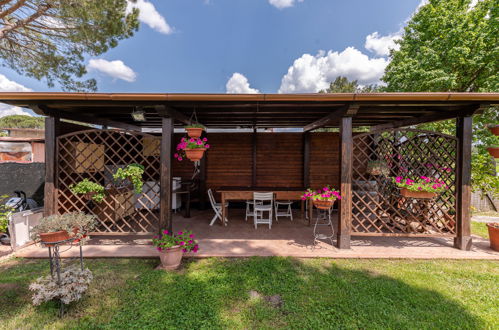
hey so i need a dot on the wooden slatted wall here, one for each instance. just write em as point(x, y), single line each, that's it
point(324, 160)
point(279, 161)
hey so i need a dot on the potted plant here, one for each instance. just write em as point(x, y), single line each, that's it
point(493, 228)
point(5, 212)
point(494, 150)
point(422, 187)
point(494, 129)
point(322, 199)
point(192, 148)
point(377, 167)
point(132, 173)
point(72, 285)
point(194, 130)
point(57, 228)
point(89, 189)
point(171, 247)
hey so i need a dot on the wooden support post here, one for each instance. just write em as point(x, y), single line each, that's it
point(345, 207)
point(253, 171)
point(165, 218)
point(202, 182)
point(463, 184)
point(52, 125)
point(306, 159)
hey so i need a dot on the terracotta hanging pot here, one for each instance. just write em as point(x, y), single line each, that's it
point(57, 236)
point(88, 196)
point(323, 205)
point(194, 132)
point(171, 258)
point(494, 130)
point(195, 154)
point(493, 151)
point(417, 194)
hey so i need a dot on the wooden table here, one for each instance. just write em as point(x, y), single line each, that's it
point(246, 193)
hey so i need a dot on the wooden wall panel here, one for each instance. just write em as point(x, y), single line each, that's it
point(324, 160)
point(229, 160)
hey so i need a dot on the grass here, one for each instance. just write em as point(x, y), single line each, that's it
point(214, 293)
point(480, 229)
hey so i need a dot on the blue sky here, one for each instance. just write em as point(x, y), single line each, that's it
point(199, 45)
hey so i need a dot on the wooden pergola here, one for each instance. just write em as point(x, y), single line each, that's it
point(385, 114)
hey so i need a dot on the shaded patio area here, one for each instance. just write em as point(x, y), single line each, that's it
point(286, 238)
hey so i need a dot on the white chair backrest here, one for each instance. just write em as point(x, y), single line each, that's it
point(212, 198)
point(263, 197)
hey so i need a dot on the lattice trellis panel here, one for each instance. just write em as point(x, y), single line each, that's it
point(96, 155)
point(378, 207)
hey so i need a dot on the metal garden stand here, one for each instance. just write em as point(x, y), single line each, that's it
point(55, 260)
point(323, 219)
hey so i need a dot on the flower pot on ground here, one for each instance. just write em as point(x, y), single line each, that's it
point(422, 187)
point(171, 247)
point(191, 148)
point(493, 151)
point(493, 228)
point(322, 199)
point(56, 228)
point(194, 131)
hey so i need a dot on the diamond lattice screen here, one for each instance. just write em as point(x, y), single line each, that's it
point(378, 207)
point(96, 155)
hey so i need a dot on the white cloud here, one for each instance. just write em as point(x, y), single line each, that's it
point(150, 16)
point(116, 69)
point(238, 84)
point(7, 85)
point(309, 74)
point(381, 45)
point(281, 4)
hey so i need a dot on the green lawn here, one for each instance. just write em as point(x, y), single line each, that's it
point(480, 229)
point(214, 293)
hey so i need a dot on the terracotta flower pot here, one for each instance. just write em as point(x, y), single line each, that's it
point(195, 154)
point(57, 236)
point(494, 235)
point(494, 130)
point(493, 151)
point(323, 205)
point(170, 259)
point(194, 132)
point(417, 194)
point(88, 196)
point(76, 230)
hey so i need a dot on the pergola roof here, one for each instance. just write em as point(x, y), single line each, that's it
point(309, 111)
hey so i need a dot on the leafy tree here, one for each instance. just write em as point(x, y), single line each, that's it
point(343, 85)
point(448, 45)
point(22, 121)
point(47, 39)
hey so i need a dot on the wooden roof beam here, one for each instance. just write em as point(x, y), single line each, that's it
point(348, 111)
point(45, 111)
point(168, 111)
point(429, 118)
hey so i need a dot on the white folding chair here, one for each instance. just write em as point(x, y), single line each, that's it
point(263, 202)
point(217, 207)
point(288, 212)
point(250, 209)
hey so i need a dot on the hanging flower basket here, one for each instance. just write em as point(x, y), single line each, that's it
point(194, 154)
point(417, 194)
point(194, 131)
point(493, 228)
point(191, 148)
point(493, 151)
point(494, 130)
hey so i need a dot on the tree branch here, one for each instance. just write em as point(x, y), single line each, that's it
point(40, 11)
point(12, 9)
